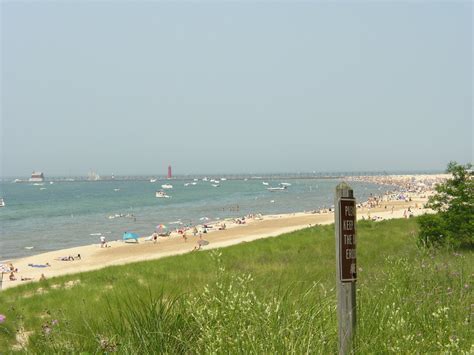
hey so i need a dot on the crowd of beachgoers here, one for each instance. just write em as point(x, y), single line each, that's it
point(405, 183)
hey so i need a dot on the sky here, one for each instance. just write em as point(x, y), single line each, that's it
point(234, 87)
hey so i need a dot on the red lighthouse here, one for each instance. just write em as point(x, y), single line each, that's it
point(169, 172)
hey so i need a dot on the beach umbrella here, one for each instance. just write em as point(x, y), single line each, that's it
point(160, 226)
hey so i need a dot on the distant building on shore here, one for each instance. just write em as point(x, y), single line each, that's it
point(93, 176)
point(169, 172)
point(36, 176)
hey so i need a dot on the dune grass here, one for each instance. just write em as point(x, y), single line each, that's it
point(269, 296)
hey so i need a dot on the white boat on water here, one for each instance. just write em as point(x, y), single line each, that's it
point(216, 185)
point(166, 186)
point(265, 183)
point(153, 180)
point(280, 188)
point(161, 194)
point(223, 179)
point(36, 176)
point(16, 180)
point(2, 202)
point(285, 184)
point(194, 183)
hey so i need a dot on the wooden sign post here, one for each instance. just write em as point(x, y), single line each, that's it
point(346, 275)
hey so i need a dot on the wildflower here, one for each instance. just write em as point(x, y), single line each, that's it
point(107, 344)
point(466, 286)
point(46, 329)
point(54, 322)
point(2, 318)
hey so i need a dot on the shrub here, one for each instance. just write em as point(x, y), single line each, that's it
point(454, 203)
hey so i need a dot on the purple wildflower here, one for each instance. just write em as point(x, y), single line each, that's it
point(2, 318)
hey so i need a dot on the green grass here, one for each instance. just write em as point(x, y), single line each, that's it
point(270, 296)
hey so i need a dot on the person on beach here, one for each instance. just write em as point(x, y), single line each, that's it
point(155, 237)
point(12, 276)
point(102, 242)
point(185, 237)
point(66, 258)
point(42, 277)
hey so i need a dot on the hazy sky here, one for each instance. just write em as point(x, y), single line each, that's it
point(131, 87)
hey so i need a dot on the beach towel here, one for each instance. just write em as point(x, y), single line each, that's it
point(38, 265)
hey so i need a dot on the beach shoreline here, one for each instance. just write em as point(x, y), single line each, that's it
point(396, 204)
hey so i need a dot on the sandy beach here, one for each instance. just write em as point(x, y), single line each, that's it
point(393, 205)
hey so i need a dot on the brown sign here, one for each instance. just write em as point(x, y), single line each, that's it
point(347, 242)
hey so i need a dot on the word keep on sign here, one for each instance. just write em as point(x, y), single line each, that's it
point(347, 243)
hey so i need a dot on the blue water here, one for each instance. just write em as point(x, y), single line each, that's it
point(64, 214)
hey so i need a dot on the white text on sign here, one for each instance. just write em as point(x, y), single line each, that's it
point(349, 211)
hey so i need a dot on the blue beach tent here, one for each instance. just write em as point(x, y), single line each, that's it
point(127, 236)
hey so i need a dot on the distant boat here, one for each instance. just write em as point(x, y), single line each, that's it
point(281, 188)
point(285, 184)
point(36, 176)
point(161, 194)
point(216, 185)
point(51, 182)
point(42, 188)
point(193, 183)
point(166, 186)
point(187, 184)
point(223, 179)
point(2, 202)
point(16, 180)
point(153, 180)
point(116, 189)
point(195, 179)
point(38, 184)
point(265, 183)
